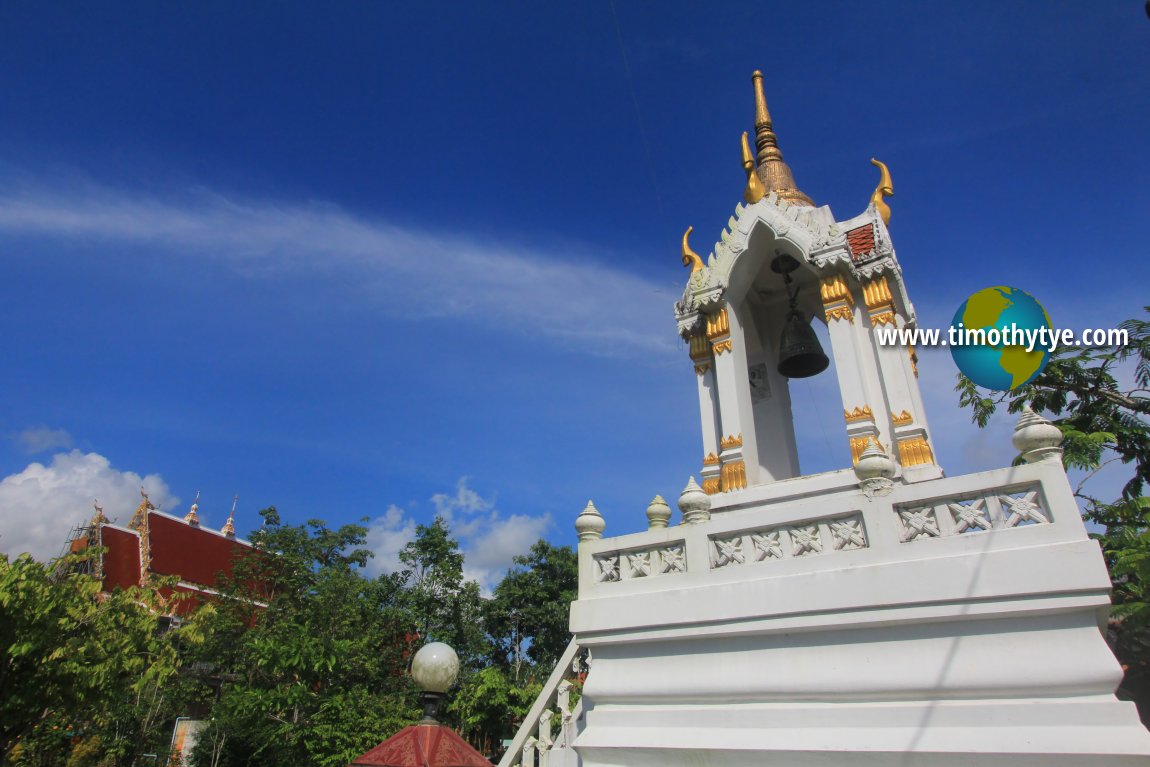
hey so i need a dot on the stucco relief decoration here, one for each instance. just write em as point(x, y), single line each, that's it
point(639, 563)
point(674, 559)
point(918, 523)
point(760, 384)
point(608, 568)
point(768, 545)
point(847, 534)
point(806, 540)
point(1022, 509)
point(729, 551)
point(969, 517)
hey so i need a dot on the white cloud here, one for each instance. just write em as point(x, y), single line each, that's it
point(574, 299)
point(386, 536)
point(41, 439)
point(40, 505)
point(488, 553)
point(489, 540)
point(465, 500)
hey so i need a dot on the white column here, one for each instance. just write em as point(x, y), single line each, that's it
point(708, 410)
point(859, 400)
point(912, 448)
point(733, 471)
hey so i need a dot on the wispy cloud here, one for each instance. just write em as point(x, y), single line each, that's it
point(41, 439)
point(572, 298)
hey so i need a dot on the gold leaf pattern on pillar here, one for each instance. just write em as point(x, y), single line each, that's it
point(914, 451)
point(734, 476)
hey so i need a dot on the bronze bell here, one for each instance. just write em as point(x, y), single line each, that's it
point(800, 353)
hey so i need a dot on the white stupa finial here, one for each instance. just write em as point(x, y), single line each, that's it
point(590, 523)
point(694, 503)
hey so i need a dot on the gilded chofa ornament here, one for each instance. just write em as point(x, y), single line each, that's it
point(885, 188)
point(690, 257)
point(755, 190)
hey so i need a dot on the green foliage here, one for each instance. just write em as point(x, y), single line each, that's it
point(532, 603)
point(1102, 423)
point(489, 705)
point(444, 606)
point(300, 661)
point(316, 676)
point(83, 680)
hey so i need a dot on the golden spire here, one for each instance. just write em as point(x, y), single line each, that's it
point(690, 257)
point(229, 528)
point(773, 172)
point(885, 188)
point(192, 518)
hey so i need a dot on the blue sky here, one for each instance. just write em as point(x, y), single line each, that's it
point(386, 260)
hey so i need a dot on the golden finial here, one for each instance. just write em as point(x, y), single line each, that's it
point(98, 518)
point(774, 173)
point(885, 188)
point(690, 257)
point(140, 518)
point(229, 528)
point(755, 190)
point(762, 116)
point(192, 518)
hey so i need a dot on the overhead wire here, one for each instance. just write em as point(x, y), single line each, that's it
point(638, 114)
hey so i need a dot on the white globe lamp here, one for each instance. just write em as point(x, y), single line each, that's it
point(434, 668)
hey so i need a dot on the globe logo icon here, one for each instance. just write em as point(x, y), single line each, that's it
point(987, 338)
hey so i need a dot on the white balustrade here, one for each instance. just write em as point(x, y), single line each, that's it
point(534, 745)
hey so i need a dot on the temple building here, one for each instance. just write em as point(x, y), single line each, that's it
point(879, 614)
point(157, 544)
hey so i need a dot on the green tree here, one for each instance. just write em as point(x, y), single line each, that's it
point(310, 656)
point(443, 605)
point(530, 607)
point(1102, 423)
point(488, 705)
point(84, 678)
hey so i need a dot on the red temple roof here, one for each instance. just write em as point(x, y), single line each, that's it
point(196, 554)
point(159, 544)
point(423, 745)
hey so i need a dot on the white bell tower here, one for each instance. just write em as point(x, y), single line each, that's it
point(736, 304)
point(880, 614)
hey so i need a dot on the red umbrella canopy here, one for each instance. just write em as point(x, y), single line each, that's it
point(422, 745)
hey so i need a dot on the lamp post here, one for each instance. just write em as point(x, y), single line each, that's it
point(428, 743)
point(434, 668)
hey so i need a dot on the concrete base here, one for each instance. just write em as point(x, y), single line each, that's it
point(953, 621)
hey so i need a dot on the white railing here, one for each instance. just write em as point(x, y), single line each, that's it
point(534, 744)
